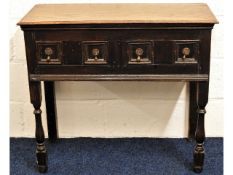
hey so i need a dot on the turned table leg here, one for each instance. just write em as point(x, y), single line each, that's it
point(199, 151)
point(41, 153)
point(51, 111)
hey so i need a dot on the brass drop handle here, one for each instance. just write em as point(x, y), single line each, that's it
point(139, 53)
point(48, 52)
point(185, 52)
point(95, 53)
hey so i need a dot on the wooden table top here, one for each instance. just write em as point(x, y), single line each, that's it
point(118, 13)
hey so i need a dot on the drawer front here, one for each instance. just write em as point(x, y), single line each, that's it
point(49, 52)
point(137, 52)
point(186, 52)
point(121, 51)
point(156, 52)
point(72, 53)
point(95, 52)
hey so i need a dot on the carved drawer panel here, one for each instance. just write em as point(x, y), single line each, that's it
point(95, 52)
point(49, 52)
point(186, 51)
point(139, 52)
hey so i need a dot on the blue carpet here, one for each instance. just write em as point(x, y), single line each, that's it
point(123, 156)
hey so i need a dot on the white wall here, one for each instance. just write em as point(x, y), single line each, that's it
point(114, 109)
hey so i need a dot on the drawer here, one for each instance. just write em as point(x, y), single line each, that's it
point(186, 52)
point(137, 52)
point(72, 53)
point(160, 56)
point(49, 52)
point(158, 52)
point(95, 52)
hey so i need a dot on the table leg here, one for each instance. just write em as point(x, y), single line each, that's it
point(41, 153)
point(199, 151)
point(192, 109)
point(51, 111)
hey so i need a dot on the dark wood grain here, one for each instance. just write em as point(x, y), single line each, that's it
point(41, 153)
point(163, 48)
point(119, 77)
point(51, 110)
point(144, 26)
point(199, 151)
point(192, 109)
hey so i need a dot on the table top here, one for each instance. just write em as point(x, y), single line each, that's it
point(44, 14)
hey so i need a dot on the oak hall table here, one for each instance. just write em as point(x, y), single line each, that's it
point(118, 42)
